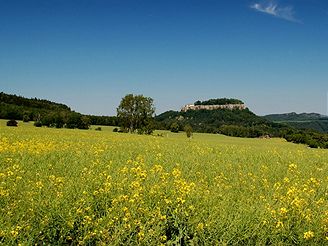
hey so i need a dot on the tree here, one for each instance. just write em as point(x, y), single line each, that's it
point(84, 122)
point(26, 118)
point(12, 123)
point(188, 130)
point(135, 112)
point(174, 127)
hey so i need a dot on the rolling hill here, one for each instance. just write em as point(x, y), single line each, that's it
point(313, 121)
point(46, 112)
point(232, 122)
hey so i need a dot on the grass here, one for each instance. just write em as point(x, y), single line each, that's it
point(61, 186)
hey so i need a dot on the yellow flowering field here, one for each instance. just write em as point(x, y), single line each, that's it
point(87, 187)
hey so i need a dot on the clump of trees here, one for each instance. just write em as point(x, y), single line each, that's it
point(219, 101)
point(12, 123)
point(31, 102)
point(135, 114)
point(174, 127)
point(47, 113)
point(103, 120)
point(309, 137)
point(37, 124)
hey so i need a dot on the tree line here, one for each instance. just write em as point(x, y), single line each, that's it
point(47, 113)
point(219, 101)
point(135, 114)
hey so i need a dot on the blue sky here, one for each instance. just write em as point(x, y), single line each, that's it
point(90, 53)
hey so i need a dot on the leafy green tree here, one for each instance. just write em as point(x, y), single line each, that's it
point(26, 118)
point(188, 130)
point(174, 127)
point(37, 124)
point(135, 112)
point(84, 122)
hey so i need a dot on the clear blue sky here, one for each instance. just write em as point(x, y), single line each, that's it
point(90, 53)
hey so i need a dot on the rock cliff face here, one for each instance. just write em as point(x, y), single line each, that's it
point(211, 107)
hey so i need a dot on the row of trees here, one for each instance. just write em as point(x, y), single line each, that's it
point(135, 113)
point(309, 137)
point(219, 101)
point(31, 102)
point(63, 119)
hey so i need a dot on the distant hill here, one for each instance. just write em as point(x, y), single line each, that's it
point(235, 122)
point(18, 107)
point(46, 112)
point(240, 123)
point(313, 121)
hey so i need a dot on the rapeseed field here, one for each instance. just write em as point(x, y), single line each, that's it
point(87, 187)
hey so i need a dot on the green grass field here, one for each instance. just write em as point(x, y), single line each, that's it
point(61, 186)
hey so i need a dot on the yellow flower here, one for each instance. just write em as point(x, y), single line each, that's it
point(200, 226)
point(279, 224)
point(283, 211)
point(141, 235)
point(292, 167)
point(308, 235)
point(163, 217)
point(39, 184)
point(163, 238)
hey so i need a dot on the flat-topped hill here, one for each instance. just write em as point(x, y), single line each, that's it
point(212, 104)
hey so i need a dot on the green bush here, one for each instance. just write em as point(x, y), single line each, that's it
point(12, 123)
point(174, 127)
point(26, 118)
point(188, 130)
point(37, 124)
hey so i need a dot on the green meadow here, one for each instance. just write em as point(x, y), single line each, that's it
point(87, 187)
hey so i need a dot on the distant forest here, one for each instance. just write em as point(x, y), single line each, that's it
point(47, 113)
point(237, 123)
point(313, 121)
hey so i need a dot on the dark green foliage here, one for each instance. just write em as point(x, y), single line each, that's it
point(98, 128)
point(240, 131)
point(76, 120)
point(103, 120)
point(26, 118)
point(12, 123)
point(174, 127)
point(115, 129)
point(219, 101)
point(239, 123)
point(295, 117)
point(135, 113)
point(211, 120)
point(37, 124)
point(188, 130)
point(309, 137)
point(312, 121)
point(47, 113)
point(148, 127)
point(31, 103)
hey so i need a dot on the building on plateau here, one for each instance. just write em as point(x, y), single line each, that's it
point(211, 107)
